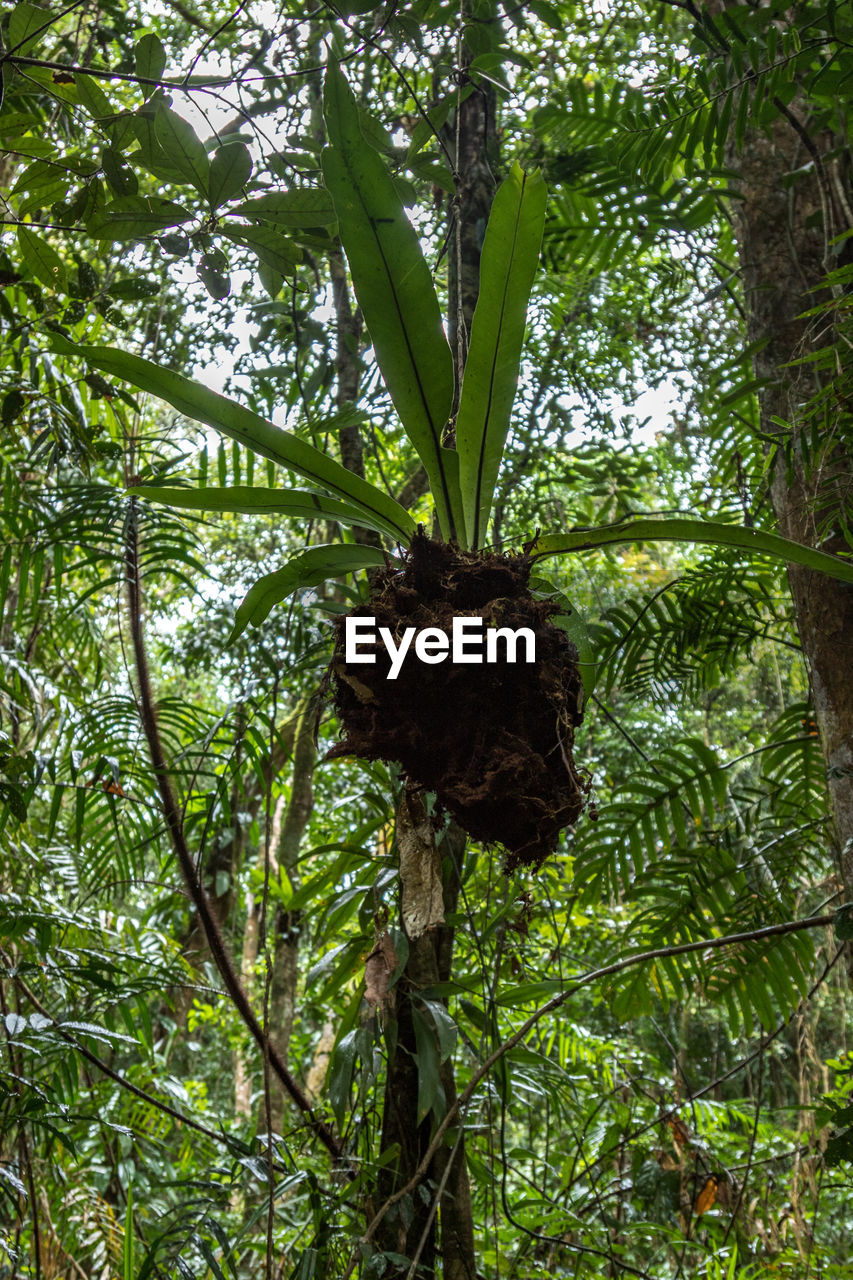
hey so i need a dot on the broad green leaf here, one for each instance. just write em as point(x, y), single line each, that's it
point(302, 207)
point(530, 992)
point(336, 967)
point(308, 569)
point(25, 21)
point(507, 269)
point(150, 58)
point(341, 1070)
point(293, 503)
point(445, 1027)
point(216, 281)
point(705, 532)
point(272, 249)
point(133, 216)
point(42, 259)
point(230, 170)
point(182, 147)
point(118, 173)
point(429, 1061)
point(395, 291)
point(150, 154)
point(39, 181)
point(93, 98)
point(248, 428)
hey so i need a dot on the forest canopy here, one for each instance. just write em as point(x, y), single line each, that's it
point(524, 326)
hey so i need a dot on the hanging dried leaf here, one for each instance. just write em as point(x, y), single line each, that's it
point(707, 1197)
point(420, 867)
point(680, 1132)
point(378, 967)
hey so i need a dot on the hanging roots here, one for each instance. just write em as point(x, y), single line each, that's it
point(493, 741)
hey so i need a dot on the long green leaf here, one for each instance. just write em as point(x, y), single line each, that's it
point(128, 1237)
point(708, 532)
point(395, 291)
point(244, 500)
point(241, 424)
point(308, 569)
point(507, 268)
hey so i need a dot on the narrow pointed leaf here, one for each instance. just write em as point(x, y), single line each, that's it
point(507, 269)
point(244, 500)
point(308, 569)
point(235, 420)
point(127, 1250)
point(395, 291)
point(707, 532)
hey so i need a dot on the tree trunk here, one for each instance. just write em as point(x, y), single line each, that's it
point(473, 141)
point(791, 207)
point(409, 1228)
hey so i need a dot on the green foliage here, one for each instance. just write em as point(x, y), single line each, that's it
point(146, 245)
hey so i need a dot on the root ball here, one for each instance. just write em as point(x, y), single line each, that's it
point(493, 741)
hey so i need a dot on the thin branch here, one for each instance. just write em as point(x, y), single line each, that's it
point(172, 815)
point(618, 966)
point(120, 1080)
point(105, 73)
point(209, 41)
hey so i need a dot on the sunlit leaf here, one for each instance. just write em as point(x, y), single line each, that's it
point(395, 292)
point(703, 532)
point(309, 569)
point(507, 269)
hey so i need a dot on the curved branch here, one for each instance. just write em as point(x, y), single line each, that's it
point(172, 815)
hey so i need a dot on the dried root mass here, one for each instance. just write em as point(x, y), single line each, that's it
point(493, 741)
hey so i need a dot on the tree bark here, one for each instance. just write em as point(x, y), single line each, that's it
point(788, 212)
point(473, 141)
point(412, 1225)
